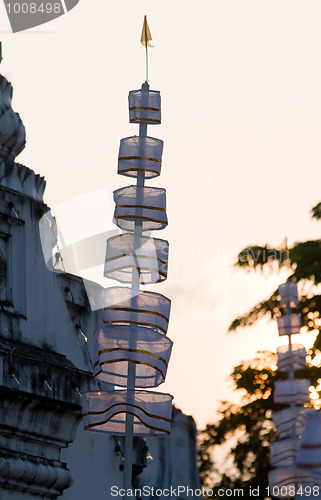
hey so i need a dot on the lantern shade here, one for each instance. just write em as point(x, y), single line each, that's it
point(115, 347)
point(283, 481)
point(285, 421)
point(140, 154)
point(289, 294)
point(308, 477)
point(144, 106)
point(310, 452)
point(127, 306)
point(290, 422)
point(105, 411)
point(292, 391)
point(284, 453)
point(294, 358)
point(289, 324)
point(146, 205)
point(128, 254)
point(285, 478)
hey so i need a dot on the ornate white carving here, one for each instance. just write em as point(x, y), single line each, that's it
point(12, 142)
point(34, 477)
point(22, 179)
point(12, 130)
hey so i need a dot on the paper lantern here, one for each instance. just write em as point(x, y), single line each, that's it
point(126, 306)
point(284, 421)
point(308, 477)
point(106, 412)
point(288, 479)
point(292, 391)
point(117, 346)
point(289, 324)
point(289, 294)
point(132, 349)
point(291, 358)
point(144, 106)
point(127, 253)
point(146, 205)
point(140, 154)
point(290, 422)
point(285, 478)
point(284, 453)
point(283, 481)
point(310, 452)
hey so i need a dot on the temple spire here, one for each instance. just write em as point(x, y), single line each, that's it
point(12, 130)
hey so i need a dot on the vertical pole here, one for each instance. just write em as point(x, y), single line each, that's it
point(291, 369)
point(291, 377)
point(129, 426)
point(146, 42)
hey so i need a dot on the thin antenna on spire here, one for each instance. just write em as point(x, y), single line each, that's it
point(146, 50)
point(145, 39)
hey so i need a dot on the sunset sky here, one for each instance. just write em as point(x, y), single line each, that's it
point(241, 120)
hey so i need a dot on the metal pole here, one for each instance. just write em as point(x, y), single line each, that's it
point(129, 426)
point(291, 377)
point(146, 56)
point(291, 369)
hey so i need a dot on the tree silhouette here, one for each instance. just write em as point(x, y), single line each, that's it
point(248, 426)
point(303, 261)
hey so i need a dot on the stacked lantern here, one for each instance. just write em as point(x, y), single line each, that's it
point(291, 475)
point(132, 349)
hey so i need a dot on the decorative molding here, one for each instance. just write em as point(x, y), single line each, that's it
point(32, 433)
point(33, 367)
point(37, 420)
point(12, 130)
point(35, 477)
point(21, 179)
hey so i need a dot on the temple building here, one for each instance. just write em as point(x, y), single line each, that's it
point(44, 367)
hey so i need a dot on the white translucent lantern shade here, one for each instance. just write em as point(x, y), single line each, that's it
point(146, 205)
point(126, 306)
point(115, 347)
point(289, 324)
point(144, 106)
point(284, 421)
point(282, 480)
point(310, 452)
point(289, 422)
point(140, 154)
point(289, 294)
point(294, 358)
point(105, 411)
point(128, 255)
point(284, 453)
point(292, 391)
point(308, 477)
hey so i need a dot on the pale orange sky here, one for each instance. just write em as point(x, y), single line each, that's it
point(240, 84)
